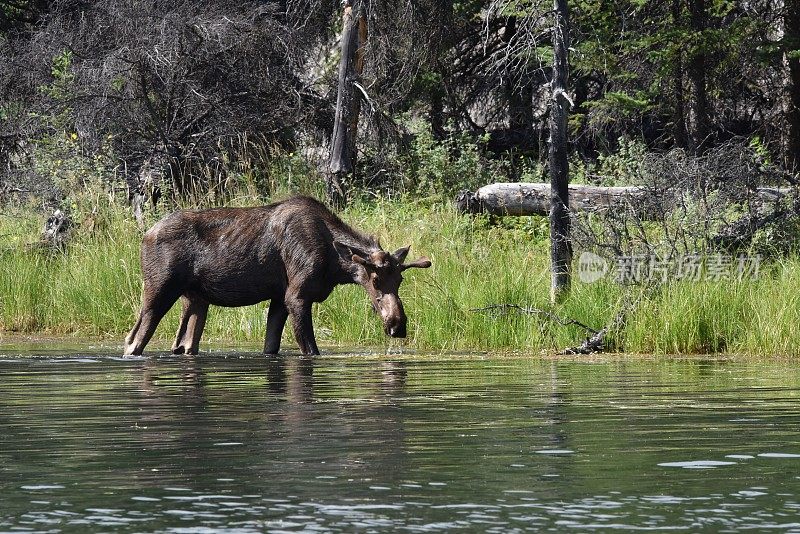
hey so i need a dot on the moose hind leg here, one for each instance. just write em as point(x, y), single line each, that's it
point(193, 320)
point(300, 310)
point(276, 320)
point(153, 310)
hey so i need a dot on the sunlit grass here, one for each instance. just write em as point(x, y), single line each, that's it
point(93, 289)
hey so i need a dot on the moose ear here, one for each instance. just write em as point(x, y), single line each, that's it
point(360, 260)
point(400, 254)
point(350, 254)
point(422, 263)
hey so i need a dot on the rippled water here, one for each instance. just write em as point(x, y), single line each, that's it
point(236, 442)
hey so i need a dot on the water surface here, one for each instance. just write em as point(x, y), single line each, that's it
point(236, 442)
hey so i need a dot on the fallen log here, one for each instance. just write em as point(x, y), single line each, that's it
point(534, 199)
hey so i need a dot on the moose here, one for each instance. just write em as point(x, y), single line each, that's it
point(292, 253)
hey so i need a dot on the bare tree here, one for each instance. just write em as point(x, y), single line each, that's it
point(724, 200)
point(560, 244)
point(348, 102)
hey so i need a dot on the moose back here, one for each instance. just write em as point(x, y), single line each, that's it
point(292, 253)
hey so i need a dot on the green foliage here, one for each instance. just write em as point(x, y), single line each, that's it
point(641, 50)
point(257, 175)
point(620, 103)
point(442, 168)
point(623, 167)
point(61, 71)
point(59, 159)
point(761, 150)
point(778, 240)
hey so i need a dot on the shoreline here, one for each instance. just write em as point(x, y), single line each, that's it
point(160, 349)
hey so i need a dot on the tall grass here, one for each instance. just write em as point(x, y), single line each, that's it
point(93, 289)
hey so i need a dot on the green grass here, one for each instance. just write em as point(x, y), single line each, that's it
point(92, 290)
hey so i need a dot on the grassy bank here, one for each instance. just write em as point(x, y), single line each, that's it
point(93, 289)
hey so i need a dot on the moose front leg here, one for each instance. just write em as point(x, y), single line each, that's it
point(155, 304)
point(300, 310)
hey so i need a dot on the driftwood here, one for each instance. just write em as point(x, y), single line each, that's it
point(534, 199)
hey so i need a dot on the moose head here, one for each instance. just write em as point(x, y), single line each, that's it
point(380, 274)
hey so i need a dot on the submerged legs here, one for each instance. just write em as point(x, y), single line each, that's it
point(193, 320)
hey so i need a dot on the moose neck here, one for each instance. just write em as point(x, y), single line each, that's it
point(350, 272)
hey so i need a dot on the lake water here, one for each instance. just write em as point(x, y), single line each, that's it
point(236, 442)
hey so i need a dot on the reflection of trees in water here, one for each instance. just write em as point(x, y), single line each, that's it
point(477, 423)
point(159, 377)
point(103, 422)
point(172, 425)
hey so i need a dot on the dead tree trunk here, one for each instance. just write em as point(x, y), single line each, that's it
point(560, 245)
point(348, 103)
point(56, 231)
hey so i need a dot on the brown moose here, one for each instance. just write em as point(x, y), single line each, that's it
point(292, 253)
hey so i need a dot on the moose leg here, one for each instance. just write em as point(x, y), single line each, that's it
point(153, 309)
point(300, 310)
point(177, 346)
point(276, 320)
point(193, 320)
point(132, 334)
